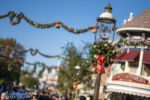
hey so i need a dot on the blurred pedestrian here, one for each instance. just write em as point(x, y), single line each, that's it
point(34, 97)
point(10, 93)
point(3, 96)
point(43, 96)
point(22, 93)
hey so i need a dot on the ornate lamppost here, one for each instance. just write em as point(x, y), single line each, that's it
point(105, 27)
point(77, 68)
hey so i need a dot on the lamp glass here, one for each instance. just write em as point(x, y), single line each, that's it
point(77, 68)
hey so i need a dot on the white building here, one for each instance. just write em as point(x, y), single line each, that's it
point(130, 75)
point(49, 79)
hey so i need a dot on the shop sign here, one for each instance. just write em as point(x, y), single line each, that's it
point(129, 78)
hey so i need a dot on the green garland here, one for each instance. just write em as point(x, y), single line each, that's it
point(133, 43)
point(39, 64)
point(33, 52)
point(21, 61)
point(102, 48)
point(49, 68)
point(19, 16)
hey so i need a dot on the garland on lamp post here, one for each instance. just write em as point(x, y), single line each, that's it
point(102, 54)
point(57, 24)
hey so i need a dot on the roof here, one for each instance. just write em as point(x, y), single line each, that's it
point(139, 23)
point(146, 58)
point(133, 55)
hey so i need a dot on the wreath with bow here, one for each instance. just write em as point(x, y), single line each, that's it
point(102, 54)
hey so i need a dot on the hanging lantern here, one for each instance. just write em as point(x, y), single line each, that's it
point(106, 23)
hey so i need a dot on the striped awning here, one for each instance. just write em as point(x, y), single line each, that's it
point(120, 56)
point(133, 55)
point(146, 57)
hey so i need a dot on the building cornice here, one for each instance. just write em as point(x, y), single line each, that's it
point(119, 30)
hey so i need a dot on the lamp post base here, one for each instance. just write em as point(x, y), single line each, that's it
point(76, 94)
point(97, 85)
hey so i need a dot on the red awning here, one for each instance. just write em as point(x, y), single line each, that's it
point(132, 55)
point(146, 57)
point(121, 55)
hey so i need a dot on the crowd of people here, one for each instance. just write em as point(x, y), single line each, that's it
point(10, 92)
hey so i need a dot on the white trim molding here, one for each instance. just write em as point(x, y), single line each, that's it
point(132, 29)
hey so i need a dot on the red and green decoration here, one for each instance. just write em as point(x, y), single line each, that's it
point(102, 54)
point(21, 61)
point(147, 69)
point(43, 66)
point(133, 43)
point(57, 24)
point(33, 52)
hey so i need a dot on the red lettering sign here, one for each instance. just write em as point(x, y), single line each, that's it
point(130, 78)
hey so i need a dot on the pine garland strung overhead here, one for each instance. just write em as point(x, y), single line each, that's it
point(21, 61)
point(33, 52)
point(40, 64)
point(44, 66)
point(19, 16)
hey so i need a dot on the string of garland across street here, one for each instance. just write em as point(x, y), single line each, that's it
point(33, 52)
point(98, 56)
point(57, 24)
point(35, 64)
point(41, 65)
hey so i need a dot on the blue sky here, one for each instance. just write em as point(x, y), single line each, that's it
point(74, 13)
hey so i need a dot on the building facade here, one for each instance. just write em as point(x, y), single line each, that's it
point(130, 74)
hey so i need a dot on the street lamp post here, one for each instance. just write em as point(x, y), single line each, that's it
point(77, 68)
point(105, 27)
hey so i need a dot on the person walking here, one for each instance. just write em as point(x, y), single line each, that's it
point(3, 96)
point(22, 94)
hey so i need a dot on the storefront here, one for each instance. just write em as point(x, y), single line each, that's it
point(125, 86)
point(130, 75)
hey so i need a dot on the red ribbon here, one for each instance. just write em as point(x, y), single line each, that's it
point(100, 64)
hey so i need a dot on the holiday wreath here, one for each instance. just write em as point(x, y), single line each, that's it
point(102, 54)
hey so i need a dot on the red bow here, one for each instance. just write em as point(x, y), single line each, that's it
point(100, 64)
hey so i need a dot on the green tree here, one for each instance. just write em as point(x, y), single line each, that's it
point(10, 59)
point(67, 73)
point(29, 81)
